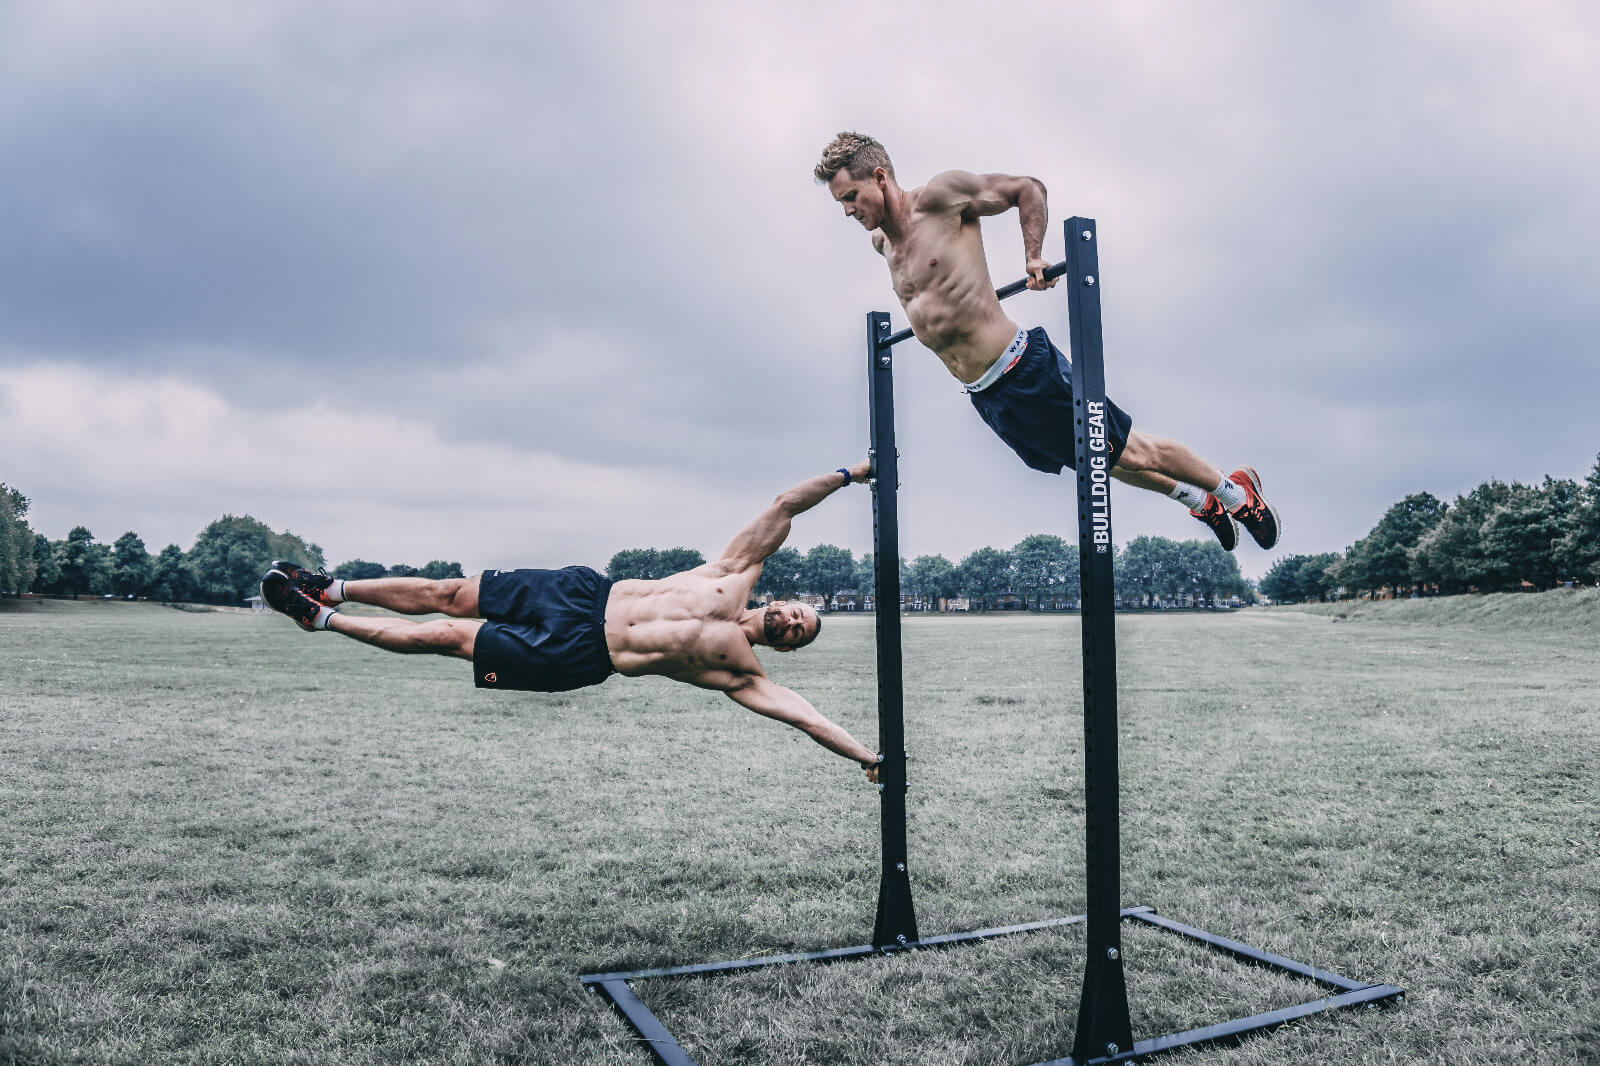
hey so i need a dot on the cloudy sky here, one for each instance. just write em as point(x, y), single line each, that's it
point(521, 285)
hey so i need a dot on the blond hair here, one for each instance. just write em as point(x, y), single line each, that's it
point(853, 152)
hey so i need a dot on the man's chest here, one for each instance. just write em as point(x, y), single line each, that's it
point(928, 255)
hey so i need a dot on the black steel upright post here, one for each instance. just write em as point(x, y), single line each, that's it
point(896, 923)
point(1103, 1026)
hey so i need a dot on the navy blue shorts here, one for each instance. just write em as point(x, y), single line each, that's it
point(1030, 408)
point(545, 629)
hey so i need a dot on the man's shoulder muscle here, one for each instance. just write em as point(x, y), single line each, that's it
point(949, 190)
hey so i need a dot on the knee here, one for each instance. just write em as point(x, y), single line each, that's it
point(1141, 453)
point(446, 636)
point(449, 596)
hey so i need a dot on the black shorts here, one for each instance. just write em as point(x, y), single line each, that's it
point(1030, 408)
point(545, 629)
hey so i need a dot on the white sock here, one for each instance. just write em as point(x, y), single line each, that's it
point(1229, 494)
point(323, 616)
point(335, 591)
point(1190, 496)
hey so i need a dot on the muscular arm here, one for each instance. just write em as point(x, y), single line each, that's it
point(977, 195)
point(759, 694)
point(767, 533)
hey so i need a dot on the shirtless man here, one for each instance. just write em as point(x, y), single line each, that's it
point(1020, 383)
point(553, 630)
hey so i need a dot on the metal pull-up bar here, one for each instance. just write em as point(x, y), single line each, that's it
point(1004, 292)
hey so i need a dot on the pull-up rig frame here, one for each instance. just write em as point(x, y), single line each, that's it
point(1104, 1033)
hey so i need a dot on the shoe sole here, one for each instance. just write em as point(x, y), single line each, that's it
point(1231, 522)
point(1235, 544)
point(286, 614)
point(1255, 483)
point(279, 564)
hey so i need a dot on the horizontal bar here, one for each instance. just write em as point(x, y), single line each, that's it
point(1247, 953)
point(667, 1051)
point(839, 954)
point(1239, 1027)
point(1004, 292)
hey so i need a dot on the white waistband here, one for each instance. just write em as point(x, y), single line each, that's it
point(1007, 360)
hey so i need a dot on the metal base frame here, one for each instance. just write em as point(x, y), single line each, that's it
point(1347, 994)
point(1103, 1033)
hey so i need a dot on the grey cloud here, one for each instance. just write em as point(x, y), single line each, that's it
point(594, 231)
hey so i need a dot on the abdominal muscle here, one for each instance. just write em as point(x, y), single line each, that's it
point(681, 624)
point(943, 283)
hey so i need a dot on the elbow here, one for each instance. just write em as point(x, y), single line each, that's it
point(808, 723)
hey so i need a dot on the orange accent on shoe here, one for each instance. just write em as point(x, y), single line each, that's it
point(1256, 514)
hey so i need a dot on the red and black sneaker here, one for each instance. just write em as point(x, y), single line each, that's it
point(1219, 521)
point(282, 596)
point(313, 584)
point(1255, 514)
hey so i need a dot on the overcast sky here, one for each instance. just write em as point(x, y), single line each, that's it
point(522, 285)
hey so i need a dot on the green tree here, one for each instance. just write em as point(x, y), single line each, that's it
point(360, 570)
point(46, 565)
point(229, 557)
point(1281, 582)
point(1451, 555)
point(1383, 558)
point(401, 570)
point(132, 569)
point(1521, 536)
point(1317, 576)
point(287, 546)
point(826, 569)
point(172, 581)
point(85, 564)
point(931, 578)
point(866, 576)
point(671, 561)
point(1141, 568)
point(652, 564)
point(439, 570)
point(1214, 572)
point(1044, 565)
point(985, 574)
point(17, 566)
point(632, 564)
point(1578, 553)
point(780, 574)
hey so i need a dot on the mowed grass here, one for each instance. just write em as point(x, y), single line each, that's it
point(226, 841)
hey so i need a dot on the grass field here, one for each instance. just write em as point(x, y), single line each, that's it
point(226, 841)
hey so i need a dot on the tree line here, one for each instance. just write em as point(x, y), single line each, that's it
point(1497, 536)
point(223, 566)
point(1039, 568)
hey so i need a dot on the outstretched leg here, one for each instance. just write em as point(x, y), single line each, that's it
point(442, 636)
point(455, 596)
point(1162, 465)
point(1156, 463)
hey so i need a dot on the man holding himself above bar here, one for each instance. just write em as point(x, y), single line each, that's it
point(554, 630)
point(1018, 380)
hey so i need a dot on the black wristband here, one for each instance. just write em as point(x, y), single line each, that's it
point(846, 474)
